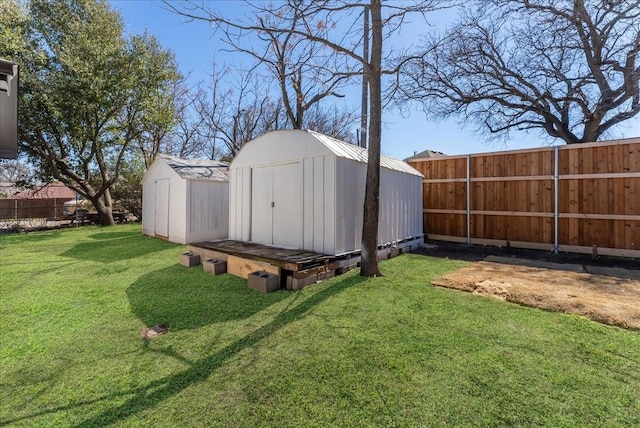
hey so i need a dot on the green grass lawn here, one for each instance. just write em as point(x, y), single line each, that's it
point(392, 351)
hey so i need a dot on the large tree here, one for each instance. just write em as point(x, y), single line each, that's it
point(336, 26)
point(567, 68)
point(88, 93)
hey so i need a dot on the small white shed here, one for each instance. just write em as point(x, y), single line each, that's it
point(186, 200)
point(300, 189)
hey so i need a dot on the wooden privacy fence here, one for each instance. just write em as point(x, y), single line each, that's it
point(19, 209)
point(563, 198)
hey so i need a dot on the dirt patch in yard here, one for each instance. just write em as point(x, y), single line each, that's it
point(612, 300)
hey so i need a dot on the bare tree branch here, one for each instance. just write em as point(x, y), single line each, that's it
point(567, 67)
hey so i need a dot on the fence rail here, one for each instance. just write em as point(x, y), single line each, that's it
point(563, 198)
point(19, 209)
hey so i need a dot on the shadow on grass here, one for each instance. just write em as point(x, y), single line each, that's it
point(154, 393)
point(188, 298)
point(112, 247)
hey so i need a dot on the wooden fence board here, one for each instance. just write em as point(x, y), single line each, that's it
point(513, 193)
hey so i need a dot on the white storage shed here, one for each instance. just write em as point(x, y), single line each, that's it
point(186, 200)
point(301, 189)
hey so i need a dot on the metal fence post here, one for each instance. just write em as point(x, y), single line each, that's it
point(556, 199)
point(468, 199)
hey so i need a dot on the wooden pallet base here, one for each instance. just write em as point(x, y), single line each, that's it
point(293, 271)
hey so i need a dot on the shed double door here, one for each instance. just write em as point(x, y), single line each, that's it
point(276, 205)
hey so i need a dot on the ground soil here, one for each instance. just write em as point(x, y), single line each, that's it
point(604, 289)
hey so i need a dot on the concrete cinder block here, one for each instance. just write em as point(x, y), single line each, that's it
point(189, 259)
point(344, 269)
point(299, 283)
point(263, 282)
point(394, 253)
point(326, 274)
point(214, 266)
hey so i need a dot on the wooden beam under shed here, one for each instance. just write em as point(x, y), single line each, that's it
point(243, 267)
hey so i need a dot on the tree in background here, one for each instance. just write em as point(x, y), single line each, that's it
point(88, 94)
point(13, 28)
point(234, 109)
point(305, 73)
point(568, 68)
point(127, 190)
point(334, 121)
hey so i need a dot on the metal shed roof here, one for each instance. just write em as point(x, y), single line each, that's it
point(357, 153)
point(198, 169)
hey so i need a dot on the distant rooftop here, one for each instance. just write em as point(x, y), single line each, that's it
point(425, 155)
point(48, 191)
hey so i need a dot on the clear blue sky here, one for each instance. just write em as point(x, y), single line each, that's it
point(195, 47)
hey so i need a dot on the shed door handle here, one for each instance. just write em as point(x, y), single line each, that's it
point(273, 204)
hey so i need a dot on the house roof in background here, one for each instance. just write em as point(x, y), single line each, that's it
point(198, 169)
point(426, 154)
point(48, 191)
point(9, 188)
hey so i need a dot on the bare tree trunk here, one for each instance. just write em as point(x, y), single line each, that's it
point(369, 263)
point(105, 214)
point(364, 114)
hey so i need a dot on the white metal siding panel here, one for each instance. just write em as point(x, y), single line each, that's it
point(349, 204)
point(245, 204)
point(233, 209)
point(223, 210)
point(287, 205)
point(318, 205)
point(358, 178)
point(307, 204)
point(178, 210)
point(239, 204)
point(403, 205)
point(329, 212)
point(400, 207)
point(208, 215)
point(416, 208)
point(261, 198)
point(389, 208)
point(387, 197)
point(342, 207)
